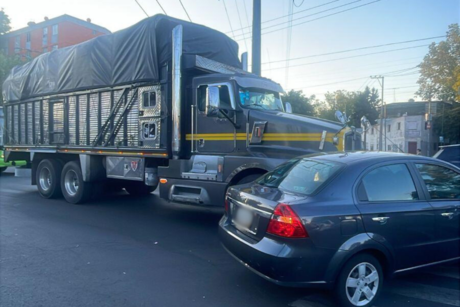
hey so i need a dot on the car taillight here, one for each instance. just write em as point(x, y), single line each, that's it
point(286, 223)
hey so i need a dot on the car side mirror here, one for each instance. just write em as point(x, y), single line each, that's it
point(212, 100)
point(288, 107)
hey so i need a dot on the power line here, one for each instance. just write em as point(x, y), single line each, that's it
point(342, 81)
point(293, 2)
point(281, 17)
point(158, 1)
point(320, 12)
point(241, 24)
point(351, 57)
point(405, 60)
point(356, 49)
point(142, 8)
point(185, 10)
point(228, 17)
point(336, 13)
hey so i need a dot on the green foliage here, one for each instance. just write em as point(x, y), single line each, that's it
point(300, 103)
point(448, 124)
point(6, 64)
point(354, 104)
point(4, 22)
point(440, 69)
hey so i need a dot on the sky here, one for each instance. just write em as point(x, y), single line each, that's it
point(321, 35)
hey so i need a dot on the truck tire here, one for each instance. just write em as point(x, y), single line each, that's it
point(48, 178)
point(74, 189)
point(249, 178)
point(138, 189)
point(2, 169)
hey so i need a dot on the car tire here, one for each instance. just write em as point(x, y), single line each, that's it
point(74, 189)
point(48, 178)
point(138, 189)
point(2, 169)
point(361, 273)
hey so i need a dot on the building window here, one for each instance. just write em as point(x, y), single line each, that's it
point(399, 126)
point(372, 147)
point(54, 34)
point(28, 40)
point(389, 128)
point(389, 148)
point(372, 131)
point(17, 44)
point(55, 47)
point(45, 37)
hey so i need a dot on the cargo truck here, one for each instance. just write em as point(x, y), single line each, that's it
point(165, 102)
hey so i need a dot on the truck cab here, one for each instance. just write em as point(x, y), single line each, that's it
point(237, 130)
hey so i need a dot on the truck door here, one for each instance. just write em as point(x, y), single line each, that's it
point(213, 131)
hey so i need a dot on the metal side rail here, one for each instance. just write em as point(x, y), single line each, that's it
point(119, 122)
point(106, 126)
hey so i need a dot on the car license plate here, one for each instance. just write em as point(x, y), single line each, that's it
point(244, 217)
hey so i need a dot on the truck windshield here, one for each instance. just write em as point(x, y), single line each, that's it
point(303, 176)
point(261, 99)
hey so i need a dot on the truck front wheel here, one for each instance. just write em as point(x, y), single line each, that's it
point(48, 177)
point(74, 189)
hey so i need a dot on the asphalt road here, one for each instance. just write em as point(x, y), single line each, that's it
point(123, 251)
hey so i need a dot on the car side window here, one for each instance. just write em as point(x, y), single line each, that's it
point(389, 183)
point(441, 182)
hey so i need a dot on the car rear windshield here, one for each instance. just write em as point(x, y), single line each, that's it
point(304, 176)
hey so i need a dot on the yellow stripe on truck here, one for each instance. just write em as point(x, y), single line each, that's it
point(273, 137)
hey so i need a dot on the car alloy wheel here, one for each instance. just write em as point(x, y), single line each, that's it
point(362, 284)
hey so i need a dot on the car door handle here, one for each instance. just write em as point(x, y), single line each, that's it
point(447, 214)
point(381, 219)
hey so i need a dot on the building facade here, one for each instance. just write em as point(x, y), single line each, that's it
point(405, 128)
point(50, 34)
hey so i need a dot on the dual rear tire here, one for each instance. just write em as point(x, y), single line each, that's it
point(55, 180)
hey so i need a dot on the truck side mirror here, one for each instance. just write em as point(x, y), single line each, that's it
point(288, 107)
point(212, 100)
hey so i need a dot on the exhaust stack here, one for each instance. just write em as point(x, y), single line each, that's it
point(176, 91)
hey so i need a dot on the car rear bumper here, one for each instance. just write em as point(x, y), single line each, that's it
point(293, 263)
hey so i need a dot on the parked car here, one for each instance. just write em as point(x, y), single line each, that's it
point(449, 153)
point(345, 221)
point(4, 165)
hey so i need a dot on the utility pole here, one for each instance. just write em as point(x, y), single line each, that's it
point(382, 83)
point(256, 37)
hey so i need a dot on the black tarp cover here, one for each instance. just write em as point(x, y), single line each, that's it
point(131, 55)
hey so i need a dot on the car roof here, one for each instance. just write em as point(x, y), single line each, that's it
point(367, 157)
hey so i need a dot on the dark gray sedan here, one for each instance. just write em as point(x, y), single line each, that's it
point(345, 221)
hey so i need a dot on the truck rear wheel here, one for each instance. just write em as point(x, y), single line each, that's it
point(74, 189)
point(2, 169)
point(48, 178)
point(139, 189)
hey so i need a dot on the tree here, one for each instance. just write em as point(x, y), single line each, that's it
point(354, 104)
point(4, 22)
point(6, 62)
point(300, 103)
point(440, 69)
point(447, 124)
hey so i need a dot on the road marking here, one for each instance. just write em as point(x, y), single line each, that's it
point(425, 292)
